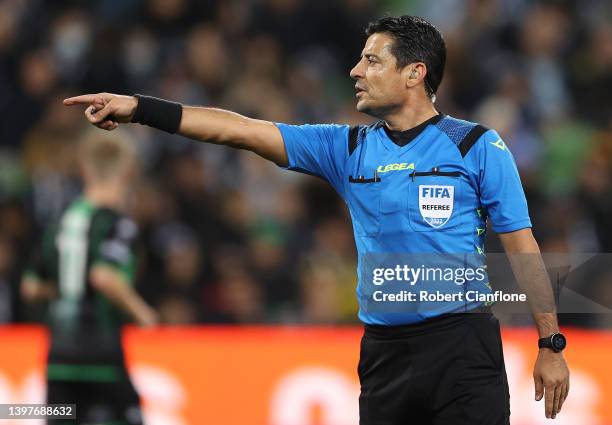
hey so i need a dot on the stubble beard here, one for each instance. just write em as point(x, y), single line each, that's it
point(379, 112)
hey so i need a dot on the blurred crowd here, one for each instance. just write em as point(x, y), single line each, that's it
point(227, 237)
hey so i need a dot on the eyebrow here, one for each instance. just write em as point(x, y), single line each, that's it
point(370, 55)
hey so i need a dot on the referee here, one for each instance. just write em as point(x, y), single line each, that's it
point(85, 268)
point(415, 182)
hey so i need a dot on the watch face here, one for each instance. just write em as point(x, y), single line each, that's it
point(558, 342)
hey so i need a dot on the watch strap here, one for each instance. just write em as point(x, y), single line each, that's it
point(547, 342)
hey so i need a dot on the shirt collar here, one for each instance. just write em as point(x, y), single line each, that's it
point(402, 138)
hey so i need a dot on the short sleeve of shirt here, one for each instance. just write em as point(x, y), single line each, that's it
point(117, 247)
point(501, 191)
point(321, 150)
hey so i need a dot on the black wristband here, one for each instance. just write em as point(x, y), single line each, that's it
point(158, 113)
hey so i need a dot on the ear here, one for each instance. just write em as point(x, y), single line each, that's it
point(415, 74)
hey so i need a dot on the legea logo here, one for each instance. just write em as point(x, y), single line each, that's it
point(395, 167)
point(436, 204)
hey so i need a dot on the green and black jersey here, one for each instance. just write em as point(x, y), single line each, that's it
point(85, 326)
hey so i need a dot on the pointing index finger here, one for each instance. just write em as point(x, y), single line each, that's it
point(85, 99)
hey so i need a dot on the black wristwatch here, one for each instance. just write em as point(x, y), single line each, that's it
point(555, 342)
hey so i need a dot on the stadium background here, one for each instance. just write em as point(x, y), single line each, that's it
point(228, 239)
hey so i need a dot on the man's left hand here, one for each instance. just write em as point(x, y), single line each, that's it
point(551, 377)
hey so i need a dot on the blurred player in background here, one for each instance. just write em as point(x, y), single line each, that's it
point(85, 268)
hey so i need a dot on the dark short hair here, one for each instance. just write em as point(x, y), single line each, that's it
point(415, 40)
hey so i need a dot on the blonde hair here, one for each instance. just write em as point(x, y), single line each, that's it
point(104, 154)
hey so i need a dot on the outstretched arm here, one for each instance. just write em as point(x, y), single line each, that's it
point(107, 111)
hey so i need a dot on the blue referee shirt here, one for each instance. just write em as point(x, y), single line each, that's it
point(433, 195)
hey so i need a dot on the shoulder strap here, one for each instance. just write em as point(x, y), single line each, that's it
point(468, 141)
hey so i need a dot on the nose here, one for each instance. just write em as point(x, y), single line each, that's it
point(356, 73)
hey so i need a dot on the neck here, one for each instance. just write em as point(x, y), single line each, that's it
point(408, 117)
point(108, 195)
